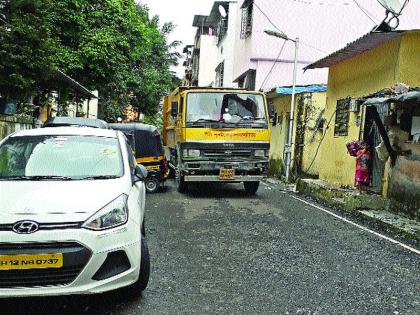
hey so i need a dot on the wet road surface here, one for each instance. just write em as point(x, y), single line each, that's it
point(220, 251)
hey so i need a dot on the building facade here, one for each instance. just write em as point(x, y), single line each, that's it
point(307, 128)
point(371, 68)
point(213, 52)
point(322, 26)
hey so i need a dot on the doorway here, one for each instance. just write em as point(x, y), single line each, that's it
point(373, 137)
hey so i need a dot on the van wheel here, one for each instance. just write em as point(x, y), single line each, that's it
point(141, 284)
point(152, 185)
point(251, 187)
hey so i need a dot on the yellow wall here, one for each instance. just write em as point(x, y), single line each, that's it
point(279, 133)
point(278, 137)
point(409, 61)
point(313, 137)
point(382, 67)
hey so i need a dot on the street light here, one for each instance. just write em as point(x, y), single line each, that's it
point(289, 145)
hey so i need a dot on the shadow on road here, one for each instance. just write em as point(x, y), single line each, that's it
point(107, 303)
point(219, 190)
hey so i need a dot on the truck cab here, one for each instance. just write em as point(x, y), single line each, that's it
point(217, 135)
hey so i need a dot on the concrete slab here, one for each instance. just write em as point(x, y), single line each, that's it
point(395, 221)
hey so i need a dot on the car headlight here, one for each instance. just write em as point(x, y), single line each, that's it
point(191, 153)
point(112, 215)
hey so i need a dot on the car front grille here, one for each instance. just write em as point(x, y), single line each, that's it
point(75, 257)
point(46, 226)
point(38, 277)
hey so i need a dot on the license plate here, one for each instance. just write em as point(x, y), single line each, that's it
point(226, 174)
point(41, 261)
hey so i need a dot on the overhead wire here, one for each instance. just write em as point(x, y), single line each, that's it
point(274, 65)
point(278, 29)
point(365, 12)
point(320, 142)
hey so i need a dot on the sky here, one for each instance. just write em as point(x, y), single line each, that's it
point(181, 13)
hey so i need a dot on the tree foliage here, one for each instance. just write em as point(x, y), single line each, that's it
point(26, 48)
point(112, 46)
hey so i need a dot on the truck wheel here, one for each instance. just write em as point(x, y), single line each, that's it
point(251, 187)
point(152, 185)
point(181, 185)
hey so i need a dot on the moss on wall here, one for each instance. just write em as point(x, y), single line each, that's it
point(276, 167)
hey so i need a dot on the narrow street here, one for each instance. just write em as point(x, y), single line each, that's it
point(223, 252)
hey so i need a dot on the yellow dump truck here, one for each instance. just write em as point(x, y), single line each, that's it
point(217, 135)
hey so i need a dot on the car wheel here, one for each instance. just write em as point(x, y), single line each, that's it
point(143, 227)
point(152, 185)
point(251, 187)
point(141, 284)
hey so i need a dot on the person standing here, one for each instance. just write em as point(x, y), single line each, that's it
point(362, 177)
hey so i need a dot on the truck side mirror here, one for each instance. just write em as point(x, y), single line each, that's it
point(271, 110)
point(174, 109)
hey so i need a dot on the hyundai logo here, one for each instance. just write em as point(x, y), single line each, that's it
point(25, 227)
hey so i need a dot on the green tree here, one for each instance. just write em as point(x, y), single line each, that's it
point(26, 47)
point(112, 46)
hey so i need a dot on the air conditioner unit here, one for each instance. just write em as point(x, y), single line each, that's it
point(354, 105)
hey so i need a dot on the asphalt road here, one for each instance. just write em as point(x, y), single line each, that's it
point(219, 251)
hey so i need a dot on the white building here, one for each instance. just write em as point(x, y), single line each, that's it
point(322, 27)
point(204, 55)
point(214, 47)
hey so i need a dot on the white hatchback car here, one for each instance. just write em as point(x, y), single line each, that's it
point(72, 205)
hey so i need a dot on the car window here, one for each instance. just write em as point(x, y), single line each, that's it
point(75, 157)
point(131, 159)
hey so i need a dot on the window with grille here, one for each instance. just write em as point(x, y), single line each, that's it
point(342, 117)
point(222, 30)
point(246, 22)
point(219, 74)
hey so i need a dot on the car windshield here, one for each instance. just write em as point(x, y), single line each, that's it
point(225, 107)
point(53, 156)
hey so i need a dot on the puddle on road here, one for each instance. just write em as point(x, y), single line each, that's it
point(194, 208)
point(257, 207)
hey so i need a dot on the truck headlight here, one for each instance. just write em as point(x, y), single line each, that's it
point(260, 153)
point(191, 153)
point(112, 215)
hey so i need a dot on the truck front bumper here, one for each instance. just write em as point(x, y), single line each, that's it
point(209, 171)
point(215, 178)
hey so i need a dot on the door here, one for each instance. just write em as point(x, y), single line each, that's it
point(373, 138)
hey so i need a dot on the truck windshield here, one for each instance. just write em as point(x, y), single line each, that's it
point(60, 157)
point(226, 107)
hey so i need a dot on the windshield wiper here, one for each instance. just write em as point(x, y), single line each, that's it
point(250, 119)
point(38, 177)
point(99, 177)
point(203, 120)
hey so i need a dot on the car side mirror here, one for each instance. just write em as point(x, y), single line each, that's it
point(174, 109)
point(271, 110)
point(140, 172)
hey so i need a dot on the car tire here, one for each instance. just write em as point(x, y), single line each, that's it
point(251, 187)
point(152, 185)
point(141, 283)
point(143, 227)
